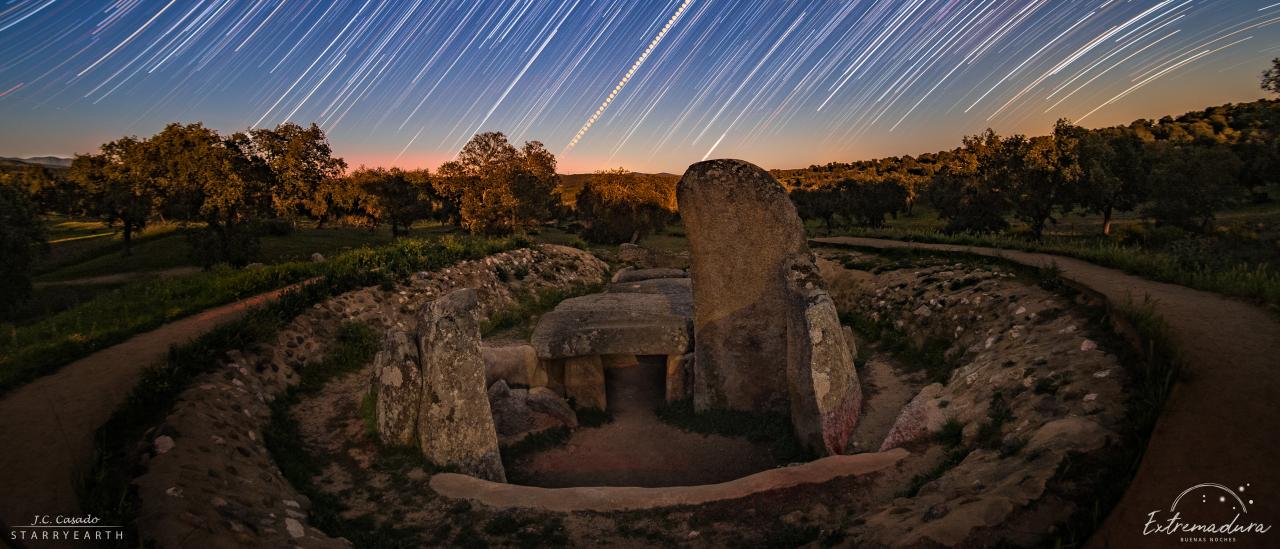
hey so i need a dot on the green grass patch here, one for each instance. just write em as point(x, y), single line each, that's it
point(772, 430)
point(43, 346)
point(527, 309)
point(1256, 281)
point(929, 357)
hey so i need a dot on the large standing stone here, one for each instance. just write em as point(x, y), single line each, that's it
point(742, 230)
point(823, 387)
point(398, 384)
point(455, 423)
point(767, 336)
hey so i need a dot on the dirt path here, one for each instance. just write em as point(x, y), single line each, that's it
point(637, 449)
point(1220, 423)
point(119, 277)
point(47, 426)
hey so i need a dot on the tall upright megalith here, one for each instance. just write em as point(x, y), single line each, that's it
point(455, 423)
point(766, 335)
point(742, 228)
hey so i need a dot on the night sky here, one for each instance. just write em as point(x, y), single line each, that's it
point(649, 85)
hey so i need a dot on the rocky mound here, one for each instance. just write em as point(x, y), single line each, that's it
point(208, 478)
point(1021, 385)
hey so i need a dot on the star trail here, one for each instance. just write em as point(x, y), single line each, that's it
point(647, 85)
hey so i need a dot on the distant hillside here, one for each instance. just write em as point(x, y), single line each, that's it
point(571, 184)
point(46, 161)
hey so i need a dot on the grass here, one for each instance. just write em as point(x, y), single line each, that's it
point(43, 346)
point(354, 347)
point(527, 309)
point(772, 430)
point(1153, 374)
point(106, 488)
point(929, 357)
point(171, 250)
point(1258, 282)
point(47, 301)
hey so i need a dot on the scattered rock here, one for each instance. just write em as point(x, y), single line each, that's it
point(163, 444)
point(633, 254)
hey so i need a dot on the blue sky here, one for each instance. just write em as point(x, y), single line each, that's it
point(648, 85)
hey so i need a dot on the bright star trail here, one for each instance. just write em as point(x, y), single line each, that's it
point(650, 86)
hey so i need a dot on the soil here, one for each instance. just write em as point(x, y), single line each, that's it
point(886, 389)
point(636, 448)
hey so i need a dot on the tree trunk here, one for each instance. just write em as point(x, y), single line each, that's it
point(128, 238)
point(1106, 221)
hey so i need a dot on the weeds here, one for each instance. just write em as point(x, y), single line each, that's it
point(1255, 281)
point(929, 357)
point(951, 434)
point(531, 306)
point(39, 348)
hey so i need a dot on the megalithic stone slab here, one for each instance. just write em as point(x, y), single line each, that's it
point(398, 385)
point(823, 386)
point(742, 229)
point(455, 423)
point(584, 382)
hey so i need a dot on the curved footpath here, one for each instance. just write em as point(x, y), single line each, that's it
point(1220, 424)
point(47, 426)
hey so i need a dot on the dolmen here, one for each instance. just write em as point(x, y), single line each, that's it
point(643, 312)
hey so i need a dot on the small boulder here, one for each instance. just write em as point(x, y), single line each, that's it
point(546, 401)
point(633, 254)
point(317, 257)
point(514, 364)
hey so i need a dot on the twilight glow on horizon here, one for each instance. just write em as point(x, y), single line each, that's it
point(647, 85)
